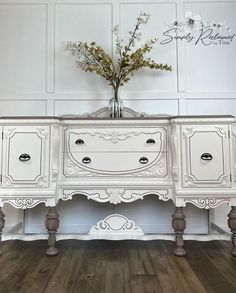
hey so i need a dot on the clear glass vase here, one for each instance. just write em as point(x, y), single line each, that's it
point(116, 107)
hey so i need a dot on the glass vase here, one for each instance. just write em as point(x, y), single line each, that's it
point(116, 107)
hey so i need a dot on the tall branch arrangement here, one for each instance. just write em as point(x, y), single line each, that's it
point(93, 58)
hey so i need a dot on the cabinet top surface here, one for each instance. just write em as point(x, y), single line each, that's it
point(101, 117)
point(75, 117)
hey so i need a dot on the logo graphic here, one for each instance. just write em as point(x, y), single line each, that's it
point(192, 29)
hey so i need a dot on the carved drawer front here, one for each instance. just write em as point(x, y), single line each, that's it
point(205, 156)
point(25, 156)
point(115, 161)
point(115, 140)
point(115, 151)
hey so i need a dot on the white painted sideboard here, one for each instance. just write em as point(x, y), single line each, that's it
point(183, 159)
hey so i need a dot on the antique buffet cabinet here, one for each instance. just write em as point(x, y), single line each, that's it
point(183, 159)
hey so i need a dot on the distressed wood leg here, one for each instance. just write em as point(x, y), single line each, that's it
point(2, 224)
point(232, 226)
point(52, 224)
point(179, 224)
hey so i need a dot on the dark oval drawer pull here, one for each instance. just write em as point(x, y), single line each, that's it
point(150, 141)
point(143, 160)
point(79, 141)
point(206, 157)
point(24, 157)
point(86, 160)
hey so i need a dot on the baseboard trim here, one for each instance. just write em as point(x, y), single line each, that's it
point(146, 237)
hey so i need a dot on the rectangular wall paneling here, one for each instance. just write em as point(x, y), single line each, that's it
point(39, 78)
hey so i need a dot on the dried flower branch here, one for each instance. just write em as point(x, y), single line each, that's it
point(91, 57)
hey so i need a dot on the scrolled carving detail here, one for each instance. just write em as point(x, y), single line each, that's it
point(24, 203)
point(68, 195)
point(9, 132)
point(206, 203)
point(39, 180)
point(222, 131)
point(116, 195)
point(42, 179)
point(188, 131)
point(43, 133)
point(116, 224)
point(114, 136)
point(104, 112)
point(191, 180)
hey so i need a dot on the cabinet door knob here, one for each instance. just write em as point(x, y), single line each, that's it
point(86, 160)
point(206, 157)
point(150, 141)
point(24, 157)
point(143, 160)
point(79, 141)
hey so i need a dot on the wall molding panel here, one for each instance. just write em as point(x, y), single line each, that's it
point(52, 76)
point(39, 78)
point(24, 47)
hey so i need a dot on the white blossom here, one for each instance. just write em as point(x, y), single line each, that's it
point(192, 22)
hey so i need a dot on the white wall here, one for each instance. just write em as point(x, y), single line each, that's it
point(39, 78)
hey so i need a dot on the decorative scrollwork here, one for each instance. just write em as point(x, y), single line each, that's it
point(162, 194)
point(68, 195)
point(9, 132)
point(116, 224)
point(222, 181)
point(39, 180)
point(104, 112)
point(206, 203)
point(24, 203)
point(114, 136)
point(43, 133)
point(188, 131)
point(116, 195)
point(222, 131)
point(42, 180)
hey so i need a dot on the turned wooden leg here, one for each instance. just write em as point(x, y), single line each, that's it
point(2, 224)
point(179, 224)
point(52, 224)
point(232, 226)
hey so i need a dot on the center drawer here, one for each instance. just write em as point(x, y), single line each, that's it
point(117, 162)
point(115, 140)
point(119, 151)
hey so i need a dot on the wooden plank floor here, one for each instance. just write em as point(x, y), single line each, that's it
point(117, 267)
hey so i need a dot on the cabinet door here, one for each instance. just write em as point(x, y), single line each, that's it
point(25, 156)
point(205, 156)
